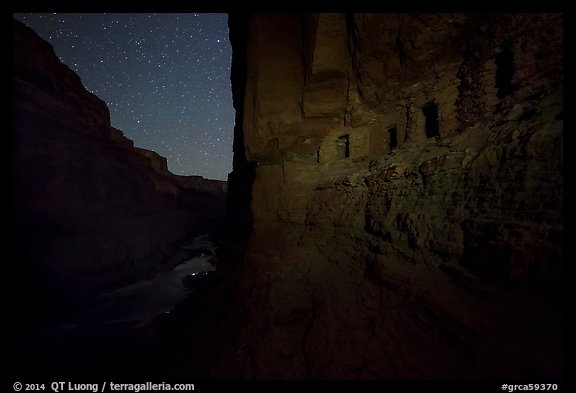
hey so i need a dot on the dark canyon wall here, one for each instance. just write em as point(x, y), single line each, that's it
point(402, 177)
point(90, 209)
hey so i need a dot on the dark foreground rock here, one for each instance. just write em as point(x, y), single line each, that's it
point(398, 196)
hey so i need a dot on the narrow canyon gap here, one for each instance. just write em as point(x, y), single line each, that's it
point(91, 212)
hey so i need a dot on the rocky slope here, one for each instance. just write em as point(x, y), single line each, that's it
point(90, 209)
point(398, 184)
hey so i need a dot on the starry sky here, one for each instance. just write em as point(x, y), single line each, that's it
point(164, 77)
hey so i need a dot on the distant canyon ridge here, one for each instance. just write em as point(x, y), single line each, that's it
point(90, 210)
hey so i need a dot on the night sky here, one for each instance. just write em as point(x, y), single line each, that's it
point(164, 77)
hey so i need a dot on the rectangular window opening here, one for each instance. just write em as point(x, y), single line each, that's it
point(343, 147)
point(430, 111)
point(393, 137)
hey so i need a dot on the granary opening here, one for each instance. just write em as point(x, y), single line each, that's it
point(505, 71)
point(343, 147)
point(430, 111)
point(393, 132)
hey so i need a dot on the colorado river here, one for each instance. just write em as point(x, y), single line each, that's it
point(110, 335)
point(149, 298)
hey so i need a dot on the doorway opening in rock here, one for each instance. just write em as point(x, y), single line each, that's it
point(430, 111)
point(343, 147)
point(505, 71)
point(393, 137)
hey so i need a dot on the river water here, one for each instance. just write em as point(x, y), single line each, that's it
point(109, 333)
point(147, 299)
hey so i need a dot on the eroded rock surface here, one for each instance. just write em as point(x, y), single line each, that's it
point(406, 182)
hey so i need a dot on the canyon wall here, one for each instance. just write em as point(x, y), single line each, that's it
point(400, 179)
point(90, 210)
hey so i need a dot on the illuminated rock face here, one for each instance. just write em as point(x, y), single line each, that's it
point(402, 186)
point(90, 210)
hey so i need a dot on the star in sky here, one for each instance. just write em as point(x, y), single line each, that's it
point(164, 77)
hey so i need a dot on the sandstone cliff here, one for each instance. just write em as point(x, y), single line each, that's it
point(402, 182)
point(90, 209)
